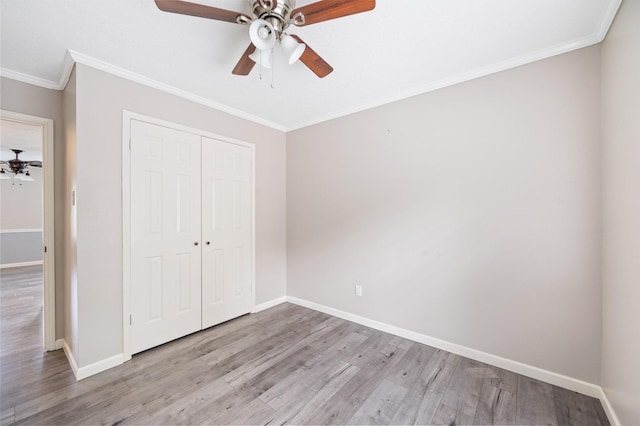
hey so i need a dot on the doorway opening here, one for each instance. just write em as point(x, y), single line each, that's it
point(27, 226)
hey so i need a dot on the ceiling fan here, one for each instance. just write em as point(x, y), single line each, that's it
point(267, 25)
point(19, 168)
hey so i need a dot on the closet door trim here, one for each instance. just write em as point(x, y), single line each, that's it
point(127, 117)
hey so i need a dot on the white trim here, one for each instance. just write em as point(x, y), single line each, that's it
point(17, 231)
point(414, 91)
point(48, 235)
point(72, 57)
point(547, 376)
point(29, 79)
point(269, 304)
point(48, 221)
point(127, 117)
point(59, 344)
point(607, 19)
point(126, 235)
point(517, 367)
point(608, 409)
point(72, 360)
point(252, 210)
point(100, 366)
point(91, 369)
point(67, 69)
point(146, 81)
point(472, 74)
point(20, 264)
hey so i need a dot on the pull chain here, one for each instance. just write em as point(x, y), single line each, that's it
point(273, 68)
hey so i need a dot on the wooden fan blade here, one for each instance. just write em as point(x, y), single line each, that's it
point(331, 9)
point(200, 10)
point(313, 61)
point(34, 163)
point(245, 64)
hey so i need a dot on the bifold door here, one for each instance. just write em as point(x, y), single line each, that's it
point(165, 228)
point(191, 233)
point(226, 231)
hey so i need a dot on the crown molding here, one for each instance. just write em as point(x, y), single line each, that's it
point(607, 19)
point(67, 67)
point(29, 79)
point(146, 81)
point(517, 61)
point(73, 57)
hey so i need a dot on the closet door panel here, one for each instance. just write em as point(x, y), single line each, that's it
point(165, 227)
point(226, 231)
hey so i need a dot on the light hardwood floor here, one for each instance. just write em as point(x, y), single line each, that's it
point(287, 364)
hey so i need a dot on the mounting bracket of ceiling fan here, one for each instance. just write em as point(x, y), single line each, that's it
point(277, 16)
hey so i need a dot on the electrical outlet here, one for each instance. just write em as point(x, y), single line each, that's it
point(358, 290)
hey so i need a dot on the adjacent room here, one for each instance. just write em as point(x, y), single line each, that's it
point(320, 212)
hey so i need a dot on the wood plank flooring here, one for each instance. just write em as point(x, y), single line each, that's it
point(287, 364)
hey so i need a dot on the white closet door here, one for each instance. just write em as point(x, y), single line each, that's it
point(226, 231)
point(165, 228)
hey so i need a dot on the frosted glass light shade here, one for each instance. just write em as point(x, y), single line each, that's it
point(25, 177)
point(262, 34)
point(292, 48)
point(4, 175)
point(261, 57)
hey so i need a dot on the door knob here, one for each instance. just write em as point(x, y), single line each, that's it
point(195, 244)
point(208, 242)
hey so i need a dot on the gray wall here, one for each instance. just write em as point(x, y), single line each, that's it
point(470, 214)
point(621, 208)
point(99, 195)
point(21, 210)
point(21, 206)
point(69, 224)
point(28, 99)
point(20, 247)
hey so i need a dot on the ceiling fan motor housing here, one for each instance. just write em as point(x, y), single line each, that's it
point(278, 16)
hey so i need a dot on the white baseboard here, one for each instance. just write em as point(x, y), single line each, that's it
point(91, 369)
point(269, 304)
point(102, 365)
point(17, 265)
point(547, 376)
point(608, 409)
point(560, 380)
point(59, 344)
point(72, 360)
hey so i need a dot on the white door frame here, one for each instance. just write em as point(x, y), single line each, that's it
point(48, 222)
point(127, 116)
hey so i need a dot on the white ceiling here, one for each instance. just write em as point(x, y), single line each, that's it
point(17, 135)
point(400, 49)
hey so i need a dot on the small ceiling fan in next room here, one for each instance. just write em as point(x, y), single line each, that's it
point(268, 22)
point(16, 168)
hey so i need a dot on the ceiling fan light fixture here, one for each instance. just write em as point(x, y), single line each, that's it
point(262, 58)
point(293, 49)
point(262, 34)
point(4, 175)
point(26, 177)
point(269, 20)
